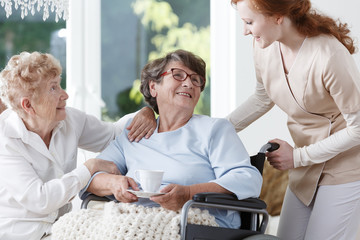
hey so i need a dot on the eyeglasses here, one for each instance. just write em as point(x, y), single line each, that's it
point(181, 75)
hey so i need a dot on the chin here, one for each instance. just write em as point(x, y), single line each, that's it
point(263, 44)
point(61, 115)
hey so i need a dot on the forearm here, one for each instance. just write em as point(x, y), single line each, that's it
point(101, 184)
point(206, 187)
point(331, 146)
point(252, 109)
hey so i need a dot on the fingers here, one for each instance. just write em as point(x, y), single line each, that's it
point(133, 184)
point(121, 193)
point(138, 131)
point(125, 196)
point(143, 125)
point(166, 197)
point(167, 188)
point(150, 132)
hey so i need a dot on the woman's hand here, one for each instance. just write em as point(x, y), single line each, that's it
point(105, 184)
point(143, 124)
point(281, 159)
point(95, 165)
point(119, 187)
point(176, 196)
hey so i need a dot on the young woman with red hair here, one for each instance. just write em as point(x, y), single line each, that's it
point(304, 65)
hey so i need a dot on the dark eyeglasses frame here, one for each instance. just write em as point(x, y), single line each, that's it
point(187, 75)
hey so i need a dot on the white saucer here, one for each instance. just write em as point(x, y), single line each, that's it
point(143, 194)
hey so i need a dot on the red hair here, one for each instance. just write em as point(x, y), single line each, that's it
point(306, 20)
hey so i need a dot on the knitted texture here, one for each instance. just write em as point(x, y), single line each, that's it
point(126, 221)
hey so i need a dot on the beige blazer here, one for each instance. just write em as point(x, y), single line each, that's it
point(322, 83)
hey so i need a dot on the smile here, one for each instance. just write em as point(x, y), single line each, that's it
point(185, 94)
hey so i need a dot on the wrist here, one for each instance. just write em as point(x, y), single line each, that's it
point(90, 164)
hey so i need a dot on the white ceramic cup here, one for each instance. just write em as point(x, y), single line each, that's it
point(150, 180)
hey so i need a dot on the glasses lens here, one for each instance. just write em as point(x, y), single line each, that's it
point(197, 80)
point(179, 74)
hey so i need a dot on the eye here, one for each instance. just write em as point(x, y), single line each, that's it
point(53, 88)
point(195, 79)
point(248, 23)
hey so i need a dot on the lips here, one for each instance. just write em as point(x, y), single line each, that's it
point(184, 94)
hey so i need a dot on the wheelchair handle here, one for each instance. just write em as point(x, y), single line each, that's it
point(273, 147)
point(269, 147)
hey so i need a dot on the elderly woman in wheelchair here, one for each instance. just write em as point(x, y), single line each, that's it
point(197, 153)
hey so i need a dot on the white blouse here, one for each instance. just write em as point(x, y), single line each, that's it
point(37, 183)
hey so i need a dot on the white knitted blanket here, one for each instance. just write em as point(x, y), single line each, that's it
point(125, 221)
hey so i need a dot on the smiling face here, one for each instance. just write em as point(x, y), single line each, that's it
point(264, 29)
point(172, 94)
point(50, 104)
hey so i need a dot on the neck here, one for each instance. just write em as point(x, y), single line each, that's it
point(172, 121)
point(45, 133)
point(291, 39)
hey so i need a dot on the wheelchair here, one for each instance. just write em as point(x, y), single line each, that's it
point(253, 214)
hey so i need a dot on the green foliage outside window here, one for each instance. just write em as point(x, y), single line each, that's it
point(21, 35)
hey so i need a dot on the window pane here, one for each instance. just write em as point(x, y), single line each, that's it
point(136, 31)
point(32, 34)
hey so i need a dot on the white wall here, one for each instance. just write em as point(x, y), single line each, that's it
point(232, 69)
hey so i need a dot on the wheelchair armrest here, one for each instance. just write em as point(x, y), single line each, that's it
point(93, 197)
point(229, 199)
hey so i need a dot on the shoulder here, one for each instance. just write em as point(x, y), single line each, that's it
point(78, 118)
point(326, 46)
point(4, 122)
point(11, 124)
point(203, 121)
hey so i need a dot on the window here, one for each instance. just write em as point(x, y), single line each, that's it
point(136, 31)
point(32, 34)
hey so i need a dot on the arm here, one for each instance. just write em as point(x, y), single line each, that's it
point(253, 108)
point(231, 162)
point(331, 146)
point(105, 184)
point(24, 185)
point(341, 81)
point(43, 195)
point(142, 125)
point(94, 135)
point(231, 165)
point(177, 195)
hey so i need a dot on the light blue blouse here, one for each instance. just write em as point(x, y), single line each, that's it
point(203, 150)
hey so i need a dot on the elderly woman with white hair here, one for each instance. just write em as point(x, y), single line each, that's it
point(39, 138)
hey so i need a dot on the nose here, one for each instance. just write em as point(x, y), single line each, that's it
point(187, 82)
point(246, 31)
point(64, 95)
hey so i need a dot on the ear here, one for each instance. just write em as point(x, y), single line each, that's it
point(152, 87)
point(26, 105)
point(279, 19)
